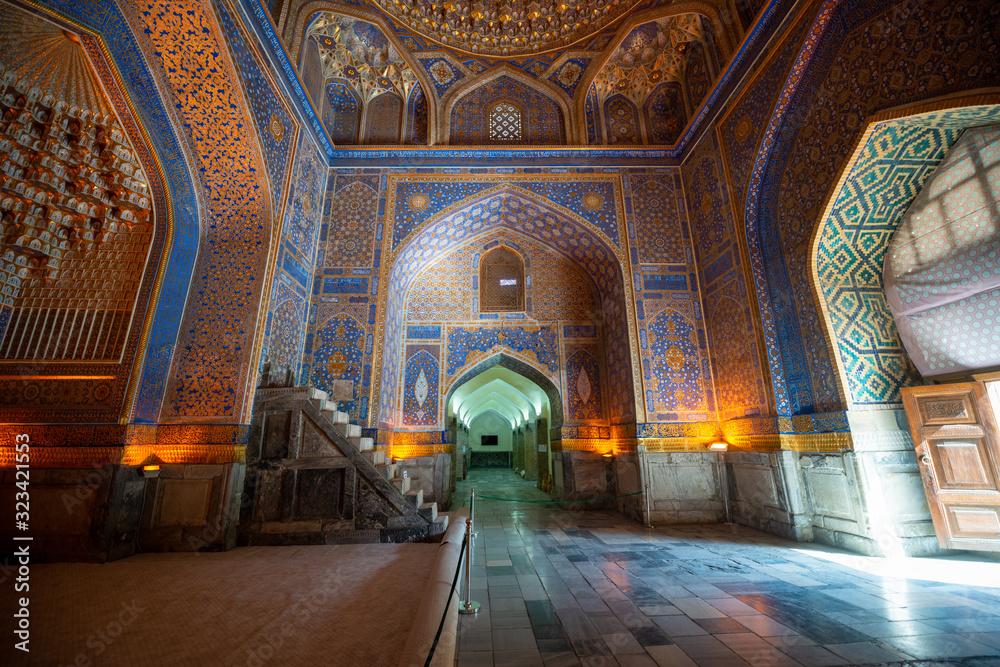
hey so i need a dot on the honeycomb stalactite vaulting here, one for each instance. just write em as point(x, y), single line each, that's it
point(506, 28)
point(76, 226)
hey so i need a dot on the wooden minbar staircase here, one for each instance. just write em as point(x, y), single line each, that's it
point(312, 479)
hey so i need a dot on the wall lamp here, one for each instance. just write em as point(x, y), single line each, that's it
point(719, 446)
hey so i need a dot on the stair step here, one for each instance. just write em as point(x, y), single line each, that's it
point(415, 498)
point(429, 511)
point(374, 457)
point(366, 444)
point(349, 431)
point(402, 484)
point(438, 525)
point(340, 418)
point(387, 470)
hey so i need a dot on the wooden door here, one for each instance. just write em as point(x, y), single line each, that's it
point(956, 440)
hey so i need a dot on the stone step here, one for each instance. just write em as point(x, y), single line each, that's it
point(429, 511)
point(402, 483)
point(415, 498)
point(366, 444)
point(339, 418)
point(376, 458)
point(349, 431)
point(387, 470)
point(438, 525)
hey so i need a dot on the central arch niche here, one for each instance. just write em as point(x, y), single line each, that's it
point(514, 394)
point(517, 214)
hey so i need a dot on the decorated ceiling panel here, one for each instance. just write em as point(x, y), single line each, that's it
point(668, 50)
point(508, 27)
point(369, 87)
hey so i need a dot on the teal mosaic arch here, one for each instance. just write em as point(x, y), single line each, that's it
point(892, 163)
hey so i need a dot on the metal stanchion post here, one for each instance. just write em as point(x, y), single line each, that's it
point(468, 606)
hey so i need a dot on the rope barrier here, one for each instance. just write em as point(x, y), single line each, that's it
point(560, 502)
point(451, 594)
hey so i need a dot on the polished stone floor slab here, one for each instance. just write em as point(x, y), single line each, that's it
point(569, 588)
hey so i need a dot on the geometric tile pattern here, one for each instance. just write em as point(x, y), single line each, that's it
point(338, 354)
point(938, 50)
point(728, 312)
point(419, 200)
point(890, 170)
point(569, 74)
point(664, 113)
point(697, 75)
point(448, 291)
point(542, 118)
point(678, 385)
point(583, 385)
point(658, 226)
point(416, 120)
point(351, 220)
point(421, 383)
point(468, 345)
point(741, 128)
point(737, 373)
point(622, 119)
point(443, 74)
point(210, 375)
point(557, 291)
point(286, 328)
point(342, 112)
point(275, 126)
point(943, 275)
point(305, 200)
point(593, 135)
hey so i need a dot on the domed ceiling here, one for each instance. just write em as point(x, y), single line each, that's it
point(506, 28)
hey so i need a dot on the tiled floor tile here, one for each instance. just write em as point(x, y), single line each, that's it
point(475, 659)
point(859, 653)
point(525, 658)
point(622, 643)
point(669, 656)
point(941, 647)
point(814, 656)
point(679, 626)
point(754, 650)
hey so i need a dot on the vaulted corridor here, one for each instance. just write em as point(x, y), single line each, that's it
point(562, 587)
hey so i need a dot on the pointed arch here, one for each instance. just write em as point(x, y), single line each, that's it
point(523, 368)
point(621, 121)
point(297, 24)
point(341, 112)
point(501, 281)
point(538, 219)
point(727, 39)
point(471, 83)
point(802, 364)
point(383, 117)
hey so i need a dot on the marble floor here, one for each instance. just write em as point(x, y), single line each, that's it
point(595, 588)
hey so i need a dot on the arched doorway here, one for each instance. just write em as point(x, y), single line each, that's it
point(507, 399)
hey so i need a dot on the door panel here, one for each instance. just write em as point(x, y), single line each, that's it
point(974, 522)
point(955, 437)
point(962, 464)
